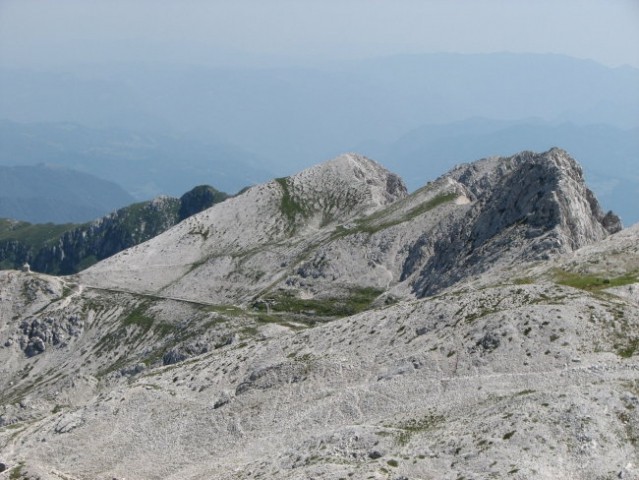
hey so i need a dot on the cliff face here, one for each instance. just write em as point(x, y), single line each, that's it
point(526, 208)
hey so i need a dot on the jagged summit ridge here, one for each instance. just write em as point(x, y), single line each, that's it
point(349, 223)
point(554, 171)
point(525, 208)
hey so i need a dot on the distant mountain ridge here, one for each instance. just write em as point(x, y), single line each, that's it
point(146, 164)
point(160, 129)
point(609, 155)
point(286, 114)
point(66, 249)
point(49, 193)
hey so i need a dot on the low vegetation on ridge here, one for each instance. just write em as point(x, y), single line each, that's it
point(69, 248)
point(592, 282)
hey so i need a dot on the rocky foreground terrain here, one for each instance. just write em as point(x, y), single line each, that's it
point(330, 325)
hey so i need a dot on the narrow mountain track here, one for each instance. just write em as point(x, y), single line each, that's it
point(152, 295)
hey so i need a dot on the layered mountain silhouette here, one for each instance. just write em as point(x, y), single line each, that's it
point(49, 193)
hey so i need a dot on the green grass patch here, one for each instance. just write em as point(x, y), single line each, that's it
point(524, 392)
point(471, 317)
point(14, 426)
point(144, 322)
point(285, 321)
point(594, 282)
point(138, 318)
point(415, 426)
point(357, 300)
point(224, 310)
point(289, 206)
point(66, 291)
point(58, 408)
point(629, 350)
point(32, 234)
point(374, 223)
point(16, 473)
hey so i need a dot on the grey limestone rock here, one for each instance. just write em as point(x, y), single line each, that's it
point(188, 350)
point(468, 329)
point(525, 208)
point(34, 346)
point(133, 370)
point(612, 222)
point(223, 399)
point(489, 342)
point(69, 423)
point(273, 376)
point(173, 356)
point(37, 333)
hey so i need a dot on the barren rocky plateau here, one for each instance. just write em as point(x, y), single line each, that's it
point(330, 325)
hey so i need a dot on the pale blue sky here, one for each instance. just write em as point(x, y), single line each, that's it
point(39, 33)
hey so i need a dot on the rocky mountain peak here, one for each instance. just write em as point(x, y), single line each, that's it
point(386, 186)
point(542, 189)
point(254, 233)
point(485, 174)
point(346, 186)
point(526, 207)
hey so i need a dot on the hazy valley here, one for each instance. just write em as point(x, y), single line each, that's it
point(162, 128)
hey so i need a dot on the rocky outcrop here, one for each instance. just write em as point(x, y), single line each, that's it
point(181, 353)
point(526, 208)
point(38, 333)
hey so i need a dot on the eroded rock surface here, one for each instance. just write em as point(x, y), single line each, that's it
point(330, 325)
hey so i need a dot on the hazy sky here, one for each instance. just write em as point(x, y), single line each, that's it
point(39, 33)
